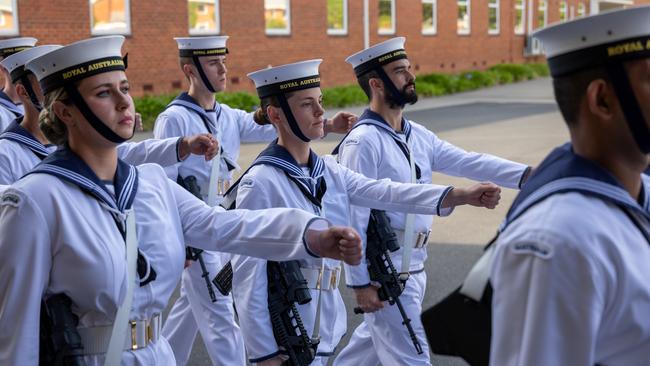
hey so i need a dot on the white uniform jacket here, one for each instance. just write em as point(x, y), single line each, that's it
point(571, 280)
point(369, 149)
point(58, 239)
point(9, 111)
point(20, 152)
point(266, 186)
point(184, 117)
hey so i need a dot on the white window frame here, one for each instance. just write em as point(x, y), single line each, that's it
point(522, 4)
point(498, 9)
point(344, 31)
point(392, 20)
point(127, 17)
point(434, 5)
point(545, 9)
point(469, 18)
point(217, 23)
point(13, 31)
point(583, 7)
point(280, 32)
point(565, 5)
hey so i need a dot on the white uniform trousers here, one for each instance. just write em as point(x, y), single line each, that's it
point(194, 311)
point(382, 338)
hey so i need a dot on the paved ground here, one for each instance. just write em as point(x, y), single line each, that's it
point(518, 121)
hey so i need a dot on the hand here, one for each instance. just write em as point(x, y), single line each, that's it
point(479, 195)
point(341, 123)
point(204, 144)
point(138, 122)
point(368, 299)
point(187, 263)
point(336, 242)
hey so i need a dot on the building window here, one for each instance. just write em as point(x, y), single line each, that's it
point(429, 16)
point(337, 17)
point(582, 10)
point(110, 17)
point(277, 15)
point(542, 14)
point(493, 17)
point(8, 18)
point(564, 11)
point(520, 16)
point(386, 17)
point(203, 16)
point(463, 21)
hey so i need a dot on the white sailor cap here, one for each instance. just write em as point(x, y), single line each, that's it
point(202, 46)
point(597, 40)
point(377, 55)
point(15, 63)
point(78, 61)
point(13, 45)
point(286, 78)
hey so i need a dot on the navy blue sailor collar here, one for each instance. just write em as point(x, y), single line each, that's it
point(15, 132)
point(9, 104)
point(186, 101)
point(277, 156)
point(562, 171)
point(65, 164)
point(369, 116)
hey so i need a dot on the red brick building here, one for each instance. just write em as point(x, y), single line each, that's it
point(442, 35)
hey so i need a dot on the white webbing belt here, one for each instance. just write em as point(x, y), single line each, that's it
point(410, 222)
point(118, 334)
point(213, 187)
point(316, 333)
point(142, 333)
point(477, 278)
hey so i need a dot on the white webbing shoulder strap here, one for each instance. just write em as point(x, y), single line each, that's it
point(316, 333)
point(116, 344)
point(478, 277)
point(410, 222)
point(213, 188)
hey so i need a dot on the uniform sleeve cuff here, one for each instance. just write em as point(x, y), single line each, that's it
point(178, 149)
point(317, 223)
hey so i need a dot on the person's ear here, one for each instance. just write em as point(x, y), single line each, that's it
point(274, 114)
point(601, 99)
point(64, 113)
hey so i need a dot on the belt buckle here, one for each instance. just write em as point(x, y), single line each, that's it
point(334, 277)
point(423, 239)
point(320, 278)
point(134, 334)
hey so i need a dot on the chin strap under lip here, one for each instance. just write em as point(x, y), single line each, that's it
point(90, 116)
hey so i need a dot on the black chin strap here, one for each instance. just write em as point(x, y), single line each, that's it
point(30, 91)
point(204, 77)
point(94, 121)
point(290, 118)
point(630, 105)
point(397, 95)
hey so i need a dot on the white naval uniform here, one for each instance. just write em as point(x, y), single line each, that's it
point(266, 186)
point(194, 310)
point(20, 152)
point(78, 250)
point(9, 111)
point(369, 150)
point(571, 284)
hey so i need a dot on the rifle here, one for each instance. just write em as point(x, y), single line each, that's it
point(287, 286)
point(190, 184)
point(223, 280)
point(381, 241)
point(60, 343)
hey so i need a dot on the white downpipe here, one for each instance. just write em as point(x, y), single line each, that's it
point(366, 25)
